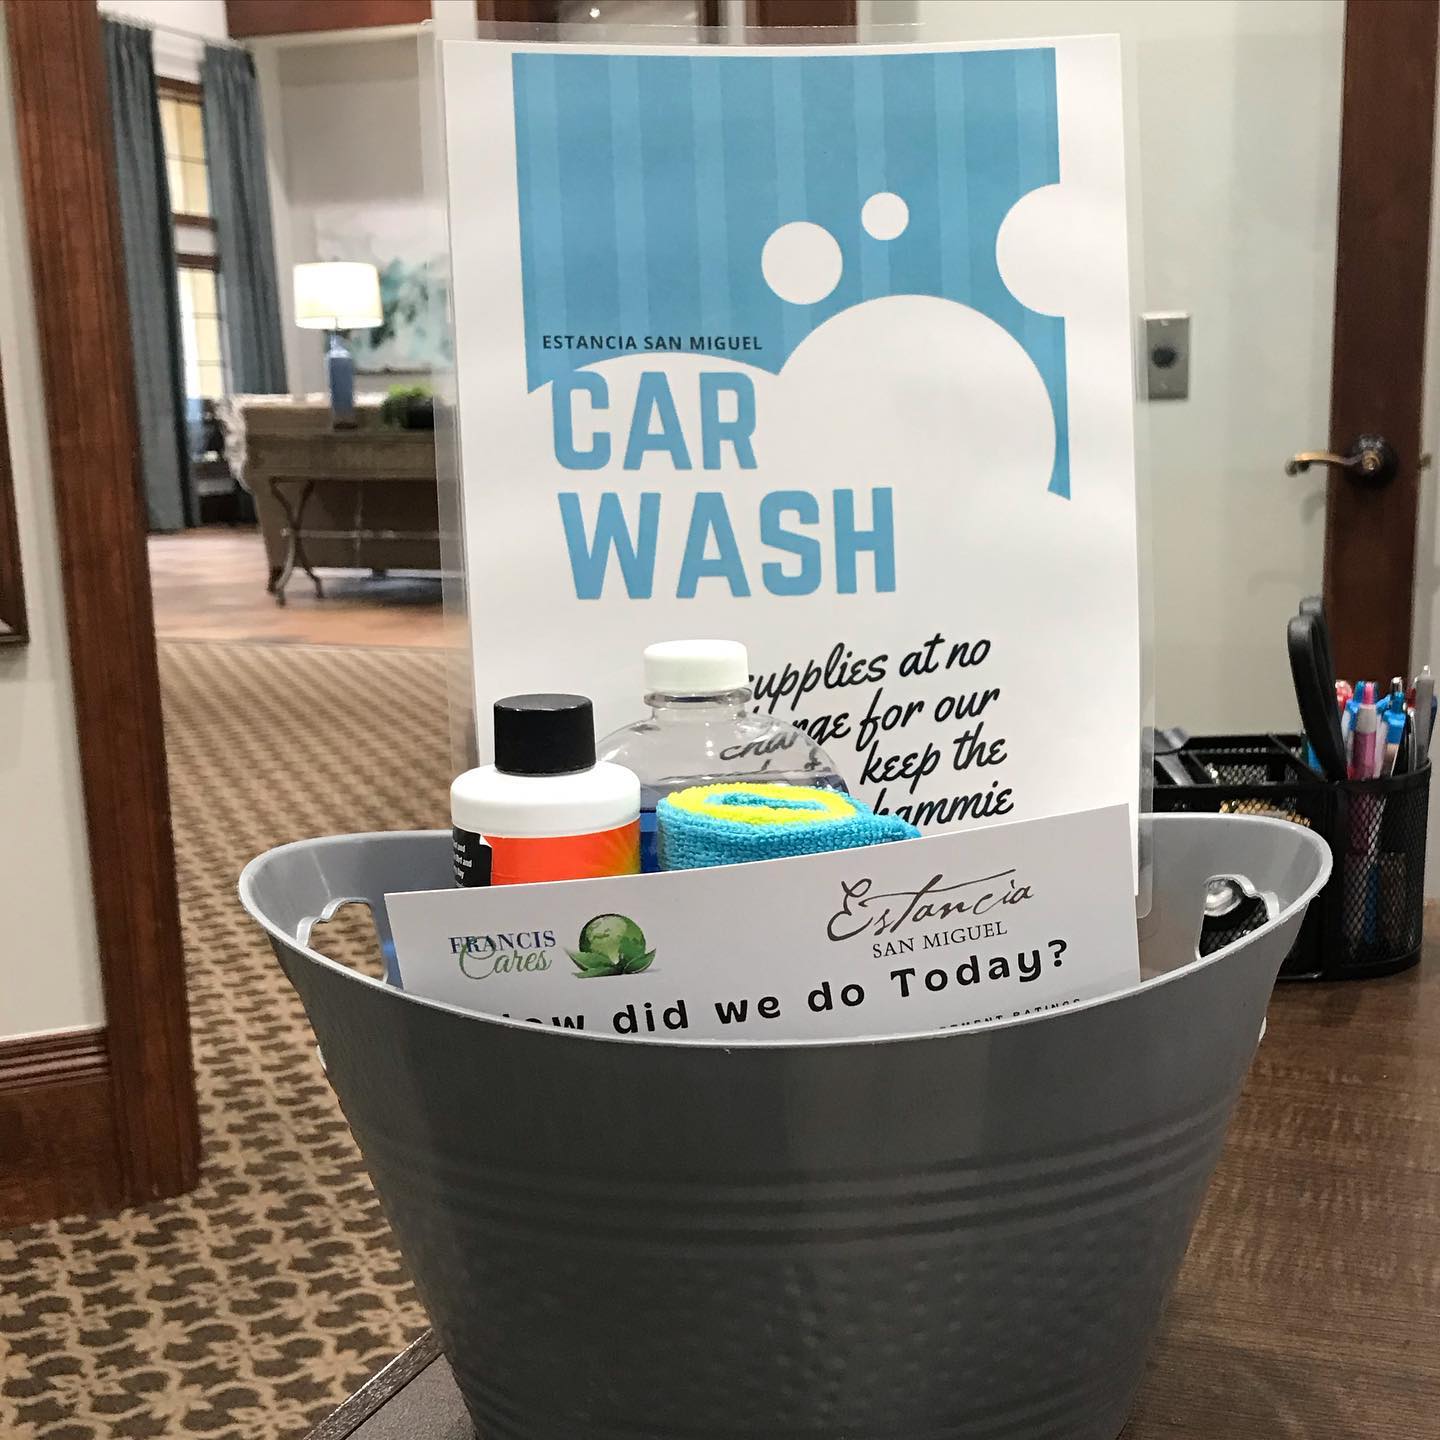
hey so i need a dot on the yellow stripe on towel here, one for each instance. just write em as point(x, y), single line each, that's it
point(757, 803)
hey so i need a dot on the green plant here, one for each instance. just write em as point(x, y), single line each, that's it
point(397, 403)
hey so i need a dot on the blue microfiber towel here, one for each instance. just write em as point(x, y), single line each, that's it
point(728, 824)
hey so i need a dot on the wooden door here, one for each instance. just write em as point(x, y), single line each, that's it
point(1381, 273)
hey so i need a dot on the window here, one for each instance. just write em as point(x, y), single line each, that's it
point(184, 134)
point(197, 265)
point(200, 328)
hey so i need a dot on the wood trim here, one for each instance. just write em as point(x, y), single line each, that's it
point(379, 1390)
point(517, 12)
point(247, 18)
point(193, 260)
point(68, 177)
point(30, 1060)
point(200, 222)
point(14, 627)
point(57, 1133)
point(180, 89)
point(839, 16)
point(1382, 268)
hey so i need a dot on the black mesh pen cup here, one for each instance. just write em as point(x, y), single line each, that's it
point(1368, 920)
point(1378, 905)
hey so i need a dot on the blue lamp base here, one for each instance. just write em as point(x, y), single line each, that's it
point(340, 368)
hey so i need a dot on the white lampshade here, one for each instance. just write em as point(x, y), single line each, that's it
point(337, 295)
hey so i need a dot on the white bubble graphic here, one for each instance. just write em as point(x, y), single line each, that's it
point(885, 215)
point(801, 262)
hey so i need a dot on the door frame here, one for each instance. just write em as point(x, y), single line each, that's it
point(773, 13)
point(72, 223)
point(838, 16)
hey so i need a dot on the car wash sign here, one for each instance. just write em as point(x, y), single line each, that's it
point(823, 350)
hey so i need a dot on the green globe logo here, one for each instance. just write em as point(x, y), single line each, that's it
point(611, 945)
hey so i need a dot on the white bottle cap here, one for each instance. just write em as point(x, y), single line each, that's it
point(696, 667)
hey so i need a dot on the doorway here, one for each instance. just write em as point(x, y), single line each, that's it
point(285, 148)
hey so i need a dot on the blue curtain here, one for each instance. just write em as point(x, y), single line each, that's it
point(151, 288)
point(240, 203)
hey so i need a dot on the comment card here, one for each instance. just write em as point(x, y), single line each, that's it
point(945, 931)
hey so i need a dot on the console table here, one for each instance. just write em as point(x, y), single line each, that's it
point(363, 498)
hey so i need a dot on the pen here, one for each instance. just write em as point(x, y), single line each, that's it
point(1405, 759)
point(1366, 726)
point(1364, 819)
point(1424, 714)
point(1394, 865)
point(1347, 718)
point(1397, 721)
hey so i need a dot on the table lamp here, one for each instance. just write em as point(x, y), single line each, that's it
point(338, 295)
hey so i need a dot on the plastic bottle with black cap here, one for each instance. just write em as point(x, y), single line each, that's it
point(546, 809)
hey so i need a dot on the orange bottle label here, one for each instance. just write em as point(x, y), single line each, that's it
point(519, 860)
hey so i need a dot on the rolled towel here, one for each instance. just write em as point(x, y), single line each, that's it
point(730, 823)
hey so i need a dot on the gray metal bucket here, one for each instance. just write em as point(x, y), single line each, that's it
point(939, 1237)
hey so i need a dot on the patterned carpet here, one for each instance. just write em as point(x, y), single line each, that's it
point(248, 1309)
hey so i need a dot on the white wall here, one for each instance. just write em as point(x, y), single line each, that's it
point(1427, 539)
point(453, 19)
point(348, 134)
point(49, 975)
point(1234, 107)
point(176, 55)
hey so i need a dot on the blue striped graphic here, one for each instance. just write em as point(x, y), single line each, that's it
point(649, 185)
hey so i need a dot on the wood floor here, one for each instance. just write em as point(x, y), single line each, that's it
point(209, 584)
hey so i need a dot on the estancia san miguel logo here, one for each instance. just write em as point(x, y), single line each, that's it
point(611, 945)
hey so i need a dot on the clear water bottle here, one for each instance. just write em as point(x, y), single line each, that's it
point(701, 730)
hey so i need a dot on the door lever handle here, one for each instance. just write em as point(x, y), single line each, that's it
point(1302, 460)
point(1372, 459)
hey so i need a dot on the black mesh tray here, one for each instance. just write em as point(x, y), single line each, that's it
point(1368, 919)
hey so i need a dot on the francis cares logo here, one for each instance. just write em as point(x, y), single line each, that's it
point(611, 945)
point(480, 956)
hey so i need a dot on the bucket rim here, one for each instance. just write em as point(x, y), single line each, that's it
point(1189, 970)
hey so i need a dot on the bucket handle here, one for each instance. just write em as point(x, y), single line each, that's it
point(1234, 907)
point(307, 923)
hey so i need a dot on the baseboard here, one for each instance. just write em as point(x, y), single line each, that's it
point(57, 1128)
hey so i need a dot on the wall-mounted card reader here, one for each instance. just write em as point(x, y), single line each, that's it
point(1167, 355)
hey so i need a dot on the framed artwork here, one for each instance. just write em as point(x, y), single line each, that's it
point(413, 286)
